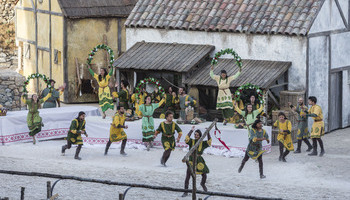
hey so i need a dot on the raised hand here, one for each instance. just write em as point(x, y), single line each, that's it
point(193, 127)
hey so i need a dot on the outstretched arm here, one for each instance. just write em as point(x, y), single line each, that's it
point(93, 74)
point(231, 78)
point(213, 76)
point(46, 98)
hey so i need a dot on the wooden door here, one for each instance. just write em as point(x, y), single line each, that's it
point(335, 109)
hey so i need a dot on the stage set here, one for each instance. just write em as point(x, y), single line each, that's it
point(57, 121)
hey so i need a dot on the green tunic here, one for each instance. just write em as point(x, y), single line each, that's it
point(303, 131)
point(34, 121)
point(201, 168)
point(183, 105)
point(123, 96)
point(168, 132)
point(254, 149)
point(169, 104)
point(74, 133)
point(148, 121)
point(51, 102)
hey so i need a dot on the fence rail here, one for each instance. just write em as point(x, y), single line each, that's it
point(109, 182)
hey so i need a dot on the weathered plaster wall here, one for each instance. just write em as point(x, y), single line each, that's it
point(340, 50)
point(82, 36)
point(329, 17)
point(318, 73)
point(346, 95)
point(259, 47)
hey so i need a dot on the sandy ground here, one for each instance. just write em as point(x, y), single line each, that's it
point(302, 177)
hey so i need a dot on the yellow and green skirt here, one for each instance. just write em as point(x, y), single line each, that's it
point(105, 99)
point(286, 140)
point(317, 130)
point(116, 136)
point(75, 138)
point(201, 167)
point(168, 142)
point(34, 123)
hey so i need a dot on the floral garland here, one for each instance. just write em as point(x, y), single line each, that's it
point(101, 46)
point(238, 59)
point(149, 80)
point(249, 86)
point(33, 76)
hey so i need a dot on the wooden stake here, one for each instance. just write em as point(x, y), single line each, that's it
point(54, 197)
point(22, 193)
point(121, 196)
point(48, 187)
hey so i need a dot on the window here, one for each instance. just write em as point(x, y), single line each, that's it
point(27, 51)
point(57, 57)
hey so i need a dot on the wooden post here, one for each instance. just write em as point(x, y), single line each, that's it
point(121, 196)
point(194, 180)
point(48, 187)
point(22, 193)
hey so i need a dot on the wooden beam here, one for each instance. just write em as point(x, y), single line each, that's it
point(329, 79)
point(326, 33)
point(65, 62)
point(36, 42)
point(119, 37)
point(25, 40)
point(39, 11)
point(273, 98)
point(341, 14)
point(50, 39)
point(340, 69)
point(189, 153)
point(279, 85)
point(44, 49)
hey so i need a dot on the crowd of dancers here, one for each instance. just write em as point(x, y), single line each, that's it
point(145, 105)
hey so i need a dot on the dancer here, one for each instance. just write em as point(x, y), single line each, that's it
point(284, 135)
point(123, 95)
point(224, 99)
point(34, 121)
point(167, 128)
point(169, 102)
point(249, 115)
point(51, 102)
point(116, 132)
point(201, 167)
point(317, 130)
point(77, 127)
point(104, 93)
point(303, 132)
point(147, 110)
point(254, 149)
point(184, 100)
point(137, 102)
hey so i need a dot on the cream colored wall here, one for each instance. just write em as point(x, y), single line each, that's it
point(83, 35)
point(25, 25)
point(57, 43)
point(43, 30)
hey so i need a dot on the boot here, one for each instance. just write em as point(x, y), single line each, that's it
point(321, 146)
point(309, 146)
point(314, 149)
point(34, 141)
point(186, 188)
point(148, 146)
point(77, 152)
point(284, 156)
point(299, 147)
point(204, 187)
point(63, 150)
point(107, 147)
point(241, 167)
point(225, 122)
point(122, 152)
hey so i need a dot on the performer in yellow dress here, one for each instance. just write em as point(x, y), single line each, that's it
point(317, 130)
point(137, 102)
point(224, 99)
point(284, 135)
point(104, 93)
point(116, 132)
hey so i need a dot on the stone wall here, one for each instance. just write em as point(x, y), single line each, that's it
point(8, 60)
point(7, 11)
point(10, 89)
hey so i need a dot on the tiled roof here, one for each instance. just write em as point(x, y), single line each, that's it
point(96, 8)
point(292, 17)
point(257, 72)
point(173, 57)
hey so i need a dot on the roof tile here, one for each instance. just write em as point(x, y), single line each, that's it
point(292, 17)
